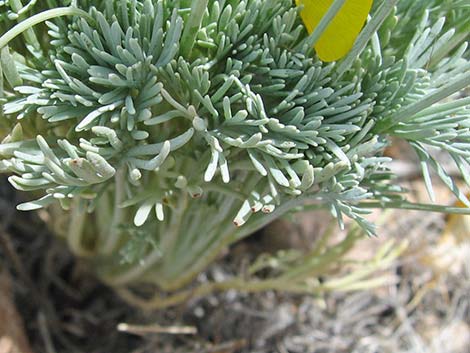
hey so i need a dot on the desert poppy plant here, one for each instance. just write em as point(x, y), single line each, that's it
point(161, 132)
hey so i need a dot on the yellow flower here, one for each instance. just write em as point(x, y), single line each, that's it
point(341, 33)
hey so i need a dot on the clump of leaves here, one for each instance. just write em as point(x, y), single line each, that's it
point(168, 130)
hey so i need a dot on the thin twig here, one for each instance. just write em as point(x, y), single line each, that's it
point(142, 330)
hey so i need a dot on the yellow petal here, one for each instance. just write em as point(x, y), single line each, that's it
point(343, 30)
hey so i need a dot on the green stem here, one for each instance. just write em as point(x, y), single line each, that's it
point(455, 41)
point(415, 207)
point(237, 284)
point(75, 232)
point(136, 271)
point(232, 234)
point(366, 34)
point(359, 285)
point(313, 265)
point(2, 93)
point(322, 243)
point(29, 35)
point(38, 18)
point(193, 25)
point(408, 112)
point(194, 247)
point(169, 240)
point(119, 197)
point(325, 22)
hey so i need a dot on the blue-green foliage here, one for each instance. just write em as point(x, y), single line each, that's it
point(250, 113)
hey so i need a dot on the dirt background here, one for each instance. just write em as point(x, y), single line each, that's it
point(52, 303)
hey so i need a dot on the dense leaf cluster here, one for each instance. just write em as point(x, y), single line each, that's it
point(238, 113)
